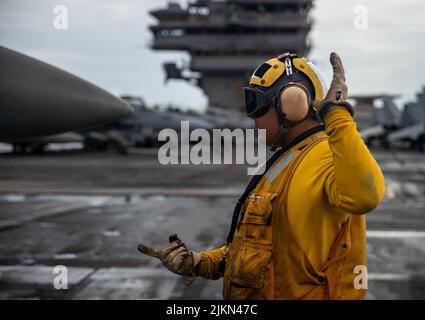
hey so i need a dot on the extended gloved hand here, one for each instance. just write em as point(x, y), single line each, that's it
point(337, 93)
point(175, 256)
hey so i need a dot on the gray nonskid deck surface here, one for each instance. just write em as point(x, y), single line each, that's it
point(88, 212)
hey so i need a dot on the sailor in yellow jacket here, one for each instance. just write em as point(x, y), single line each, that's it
point(298, 231)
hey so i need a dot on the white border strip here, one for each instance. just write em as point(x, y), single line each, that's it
point(384, 234)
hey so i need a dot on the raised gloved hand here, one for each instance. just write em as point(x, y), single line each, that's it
point(175, 256)
point(337, 93)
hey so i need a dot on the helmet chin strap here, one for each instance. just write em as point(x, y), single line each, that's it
point(280, 138)
point(285, 125)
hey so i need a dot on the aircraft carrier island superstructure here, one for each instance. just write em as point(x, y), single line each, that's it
point(227, 40)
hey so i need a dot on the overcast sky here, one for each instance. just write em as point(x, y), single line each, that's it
point(107, 43)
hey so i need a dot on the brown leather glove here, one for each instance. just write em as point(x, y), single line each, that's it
point(175, 256)
point(337, 93)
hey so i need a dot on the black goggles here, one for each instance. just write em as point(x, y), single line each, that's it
point(257, 102)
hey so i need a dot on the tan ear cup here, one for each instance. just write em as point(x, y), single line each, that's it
point(294, 103)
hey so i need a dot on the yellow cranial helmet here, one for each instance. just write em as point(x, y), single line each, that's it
point(287, 65)
point(289, 83)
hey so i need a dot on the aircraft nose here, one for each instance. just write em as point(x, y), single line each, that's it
point(38, 99)
point(101, 106)
point(127, 109)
